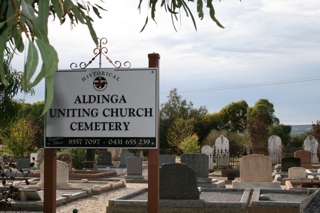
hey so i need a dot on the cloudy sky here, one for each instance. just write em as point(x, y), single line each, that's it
point(269, 49)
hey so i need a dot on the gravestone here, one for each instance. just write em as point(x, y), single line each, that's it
point(104, 159)
point(221, 151)
point(311, 145)
point(35, 157)
point(134, 168)
point(40, 155)
point(164, 158)
point(198, 162)
point(231, 174)
point(178, 182)
point(206, 149)
point(256, 172)
point(123, 158)
point(289, 162)
point(29, 194)
point(274, 148)
point(305, 158)
point(23, 163)
point(255, 168)
point(297, 173)
point(62, 175)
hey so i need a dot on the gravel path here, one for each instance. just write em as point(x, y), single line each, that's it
point(98, 203)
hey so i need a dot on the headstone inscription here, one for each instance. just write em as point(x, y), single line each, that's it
point(178, 181)
point(274, 148)
point(289, 162)
point(305, 158)
point(221, 151)
point(123, 158)
point(311, 145)
point(206, 149)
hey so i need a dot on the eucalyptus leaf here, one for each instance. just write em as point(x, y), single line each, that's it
point(2, 23)
point(145, 24)
point(200, 9)
point(3, 37)
point(101, 8)
point(92, 32)
point(78, 14)
point(27, 10)
point(192, 18)
point(96, 11)
point(30, 65)
point(50, 61)
point(49, 94)
point(43, 15)
point(58, 8)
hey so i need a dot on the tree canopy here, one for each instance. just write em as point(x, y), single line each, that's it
point(234, 115)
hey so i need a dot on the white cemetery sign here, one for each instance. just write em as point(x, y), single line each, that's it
point(274, 148)
point(106, 108)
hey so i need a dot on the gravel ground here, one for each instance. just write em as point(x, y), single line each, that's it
point(98, 203)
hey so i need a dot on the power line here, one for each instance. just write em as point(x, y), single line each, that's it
point(316, 78)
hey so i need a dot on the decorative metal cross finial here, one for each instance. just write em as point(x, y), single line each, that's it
point(99, 51)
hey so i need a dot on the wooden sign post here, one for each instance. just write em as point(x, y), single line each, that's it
point(153, 158)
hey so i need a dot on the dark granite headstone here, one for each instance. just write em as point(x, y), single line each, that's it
point(230, 173)
point(288, 162)
point(178, 181)
point(23, 163)
point(198, 162)
point(90, 162)
point(104, 158)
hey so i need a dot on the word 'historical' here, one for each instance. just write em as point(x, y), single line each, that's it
point(109, 112)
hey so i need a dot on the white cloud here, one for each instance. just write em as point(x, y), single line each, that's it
point(263, 41)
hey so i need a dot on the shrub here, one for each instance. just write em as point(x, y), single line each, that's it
point(190, 144)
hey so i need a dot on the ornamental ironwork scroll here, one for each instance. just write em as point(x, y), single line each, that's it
point(100, 51)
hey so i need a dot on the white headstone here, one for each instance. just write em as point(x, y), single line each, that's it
point(311, 145)
point(62, 175)
point(206, 149)
point(40, 156)
point(221, 151)
point(274, 148)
